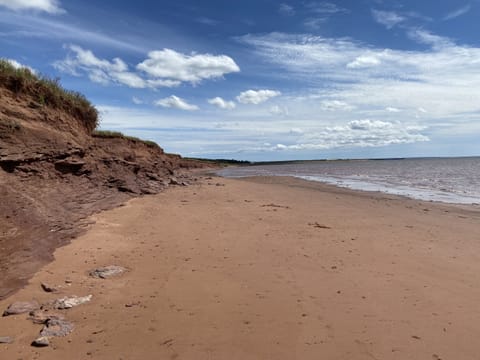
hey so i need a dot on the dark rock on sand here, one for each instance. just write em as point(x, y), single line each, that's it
point(48, 288)
point(21, 307)
point(42, 341)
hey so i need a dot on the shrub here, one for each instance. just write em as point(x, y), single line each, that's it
point(107, 134)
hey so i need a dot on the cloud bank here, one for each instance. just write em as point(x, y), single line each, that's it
point(356, 133)
point(444, 79)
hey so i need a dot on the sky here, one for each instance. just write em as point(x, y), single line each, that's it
point(262, 79)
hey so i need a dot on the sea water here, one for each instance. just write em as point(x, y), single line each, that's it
point(451, 180)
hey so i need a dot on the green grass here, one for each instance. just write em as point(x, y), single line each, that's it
point(107, 134)
point(48, 92)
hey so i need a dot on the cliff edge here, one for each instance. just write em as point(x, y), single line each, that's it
point(56, 169)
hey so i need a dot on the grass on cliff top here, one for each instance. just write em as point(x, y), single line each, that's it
point(48, 92)
point(107, 134)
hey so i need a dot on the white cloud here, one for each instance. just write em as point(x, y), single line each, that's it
point(308, 54)
point(426, 37)
point(221, 103)
point(324, 7)
point(176, 103)
point(321, 11)
point(156, 83)
point(387, 18)
point(166, 68)
point(137, 101)
point(335, 105)
point(278, 110)
point(23, 25)
point(172, 65)
point(18, 65)
point(356, 133)
point(49, 6)
point(286, 10)
point(392, 109)
point(99, 70)
point(296, 131)
point(458, 12)
point(257, 96)
point(368, 124)
point(364, 61)
point(314, 23)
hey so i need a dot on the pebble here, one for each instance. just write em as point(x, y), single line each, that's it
point(69, 302)
point(6, 340)
point(42, 341)
point(107, 271)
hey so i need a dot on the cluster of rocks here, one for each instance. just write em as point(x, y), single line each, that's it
point(54, 323)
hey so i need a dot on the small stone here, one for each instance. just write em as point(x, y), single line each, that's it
point(107, 271)
point(174, 181)
point(48, 288)
point(57, 327)
point(21, 307)
point(6, 340)
point(69, 302)
point(42, 341)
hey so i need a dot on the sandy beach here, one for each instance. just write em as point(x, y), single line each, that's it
point(265, 268)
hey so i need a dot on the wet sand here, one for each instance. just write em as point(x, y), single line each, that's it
point(267, 268)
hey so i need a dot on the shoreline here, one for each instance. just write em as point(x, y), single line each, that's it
point(297, 182)
point(345, 274)
point(426, 179)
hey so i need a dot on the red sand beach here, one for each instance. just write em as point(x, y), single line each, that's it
point(266, 268)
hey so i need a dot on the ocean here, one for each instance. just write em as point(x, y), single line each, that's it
point(450, 180)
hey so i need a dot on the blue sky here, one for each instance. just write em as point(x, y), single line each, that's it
point(264, 79)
